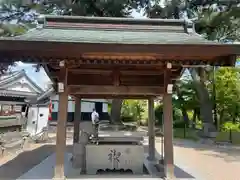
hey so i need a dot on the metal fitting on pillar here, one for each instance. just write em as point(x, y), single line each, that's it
point(170, 88)
point(61, 63)
point(169, 65)
point(60, 87)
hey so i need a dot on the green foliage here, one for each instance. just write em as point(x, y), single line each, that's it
point(133, 110)
point(177, 113)
point(219, 25)
point(106, 8)
point(179, 124)
point(159, 114)
point(228, 94)
point(227, 126)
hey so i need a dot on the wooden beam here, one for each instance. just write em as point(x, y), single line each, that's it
point(115, 90)
point(121, 72)
point(116, 78)
point(109, 96)
point(71, 49)
point(90, 71)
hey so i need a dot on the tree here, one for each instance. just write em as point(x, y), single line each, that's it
point(185, 98)
point(227, 94)
point(215, 20)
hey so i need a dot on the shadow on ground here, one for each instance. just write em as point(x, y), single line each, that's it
point(228, 154)
point(26, 161)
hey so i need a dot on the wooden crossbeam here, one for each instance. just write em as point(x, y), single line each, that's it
point(115, 90)
point(123, 72)
point(92, 96)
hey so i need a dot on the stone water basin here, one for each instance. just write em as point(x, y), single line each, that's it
point(119, 149)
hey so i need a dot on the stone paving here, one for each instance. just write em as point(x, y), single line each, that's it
point(206, 162)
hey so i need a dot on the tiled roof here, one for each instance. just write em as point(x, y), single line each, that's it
point(15, 76)
point(12, 93)
point(111, 36)
point(113, 30)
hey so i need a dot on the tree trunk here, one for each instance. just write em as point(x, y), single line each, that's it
point(206, 106)
point(116, 111)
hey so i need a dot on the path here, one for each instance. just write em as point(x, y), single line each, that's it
point(206, 162)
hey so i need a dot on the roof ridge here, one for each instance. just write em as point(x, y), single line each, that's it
point(46, 19)
point(108, 24)
point(13, 75)
point(46, 93)
point(19, 74)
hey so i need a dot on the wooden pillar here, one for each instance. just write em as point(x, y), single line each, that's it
point(168, 124)
point(151, 130)
point(61, 123)
point(77, 119)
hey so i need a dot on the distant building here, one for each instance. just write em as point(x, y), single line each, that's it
point(15, 88)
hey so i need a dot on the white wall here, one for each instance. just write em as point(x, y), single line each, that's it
point(23, 85)
point(56, 97)
point(85, 106)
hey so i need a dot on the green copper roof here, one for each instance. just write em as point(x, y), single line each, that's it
point(112, 30)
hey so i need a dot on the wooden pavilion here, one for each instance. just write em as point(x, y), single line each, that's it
point(90, 57)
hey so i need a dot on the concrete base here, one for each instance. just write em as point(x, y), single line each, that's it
point(79, 149)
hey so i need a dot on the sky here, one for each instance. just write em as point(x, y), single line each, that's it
point(40, 78)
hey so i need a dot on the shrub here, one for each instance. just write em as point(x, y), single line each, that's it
point(227, 126)
point(179, 124)
point(177, 114)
